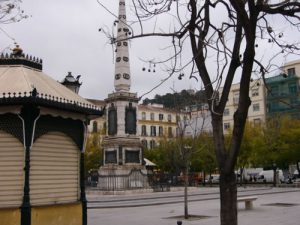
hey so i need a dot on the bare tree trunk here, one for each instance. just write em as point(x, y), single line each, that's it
point(228, 196)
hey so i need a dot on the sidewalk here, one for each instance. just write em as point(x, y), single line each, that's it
point(271, 209)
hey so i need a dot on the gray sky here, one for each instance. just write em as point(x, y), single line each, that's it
point(65, 35)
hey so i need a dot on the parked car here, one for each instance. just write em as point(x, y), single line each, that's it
point(268, 176)
point(214, 178)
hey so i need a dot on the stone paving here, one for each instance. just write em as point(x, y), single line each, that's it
point(270, 209)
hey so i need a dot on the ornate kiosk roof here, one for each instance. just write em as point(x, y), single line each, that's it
point(22, 81)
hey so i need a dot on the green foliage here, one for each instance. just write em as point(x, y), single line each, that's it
point(290, 141)
point(275, 143)
point(93, 153)
point(165, 156)
point(206, 153)
point(184, 98)
point(169, 155)
point(247, 156)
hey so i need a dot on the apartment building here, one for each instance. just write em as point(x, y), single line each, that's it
point(283, 91)
point(156, 123)
point(199, 120)
point(257, 109)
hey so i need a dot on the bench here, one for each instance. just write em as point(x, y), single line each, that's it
point(248, 201)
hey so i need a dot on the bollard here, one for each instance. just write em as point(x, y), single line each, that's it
point(179, 222)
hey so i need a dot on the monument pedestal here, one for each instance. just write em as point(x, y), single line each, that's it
point(123, 167)
point(117, 178)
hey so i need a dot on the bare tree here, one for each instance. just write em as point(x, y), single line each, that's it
point(10, 11)
point(228, 34)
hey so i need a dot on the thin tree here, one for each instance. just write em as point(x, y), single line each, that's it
point(228, 34)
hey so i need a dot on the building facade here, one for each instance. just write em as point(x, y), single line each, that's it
point(199, 120)
point(257, 109)
point(156, 123)
point(283, 91)
point(98, 125)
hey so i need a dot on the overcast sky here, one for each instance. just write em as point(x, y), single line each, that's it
point(65, 35)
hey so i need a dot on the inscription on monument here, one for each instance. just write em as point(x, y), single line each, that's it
point(112, 120)
point(130, 120)
point(132, 156)
point(111, 156)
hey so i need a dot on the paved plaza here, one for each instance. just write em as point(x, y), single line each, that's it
point(279, 206)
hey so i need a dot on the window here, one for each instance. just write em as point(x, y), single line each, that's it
point(95, 127)
point(125, 43)
point(256, 107)
point(144, 131)
point(152, 116)
point(291, 71)
point(226, 112)
point(118, 59)
point(143, 116)
point(274, 90)
point(255, 92)
point(236, 97)
point(160, 131)
point(144, 143)
point(118, 43)
point(117, 76)
point(153, 131)
point(292, 88)
point(170, 132)
point(226, 126)
point(161, 116)
point(125, 59)
point(152, 144)
point(169, 118)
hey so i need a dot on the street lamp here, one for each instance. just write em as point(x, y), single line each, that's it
point(186, 161)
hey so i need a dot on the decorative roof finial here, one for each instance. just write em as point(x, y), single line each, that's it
point(17, 51)
point(17, 57)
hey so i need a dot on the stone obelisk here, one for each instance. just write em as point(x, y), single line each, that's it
point(122, 167)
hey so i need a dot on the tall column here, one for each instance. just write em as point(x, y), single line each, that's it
point(122, 80)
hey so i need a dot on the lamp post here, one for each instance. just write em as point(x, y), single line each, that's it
point(186, 151)
point(275, 174)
